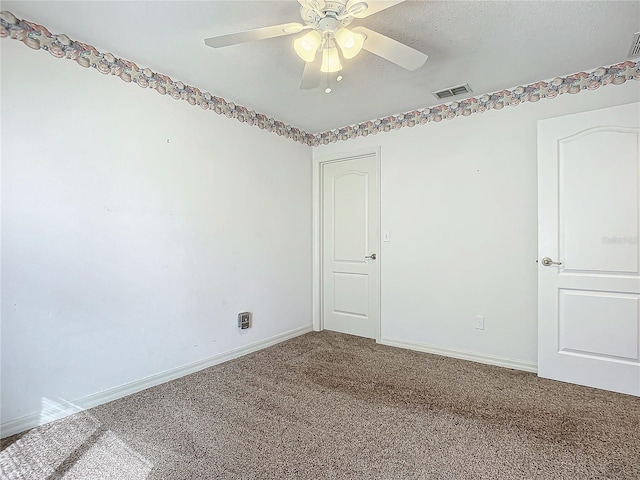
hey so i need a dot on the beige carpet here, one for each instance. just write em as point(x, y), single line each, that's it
point(332, 406)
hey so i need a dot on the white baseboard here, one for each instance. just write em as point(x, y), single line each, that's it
point(463, 355)
point(59, 409)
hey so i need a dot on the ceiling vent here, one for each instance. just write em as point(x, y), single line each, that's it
point(634, 51)
point(452, 91)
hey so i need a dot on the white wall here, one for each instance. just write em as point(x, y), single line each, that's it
point(459, 199)
point(134, 229)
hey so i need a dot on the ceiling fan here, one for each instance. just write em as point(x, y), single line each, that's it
point(329, 41)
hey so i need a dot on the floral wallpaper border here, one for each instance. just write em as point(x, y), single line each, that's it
point(615, 75)
point(61, 46)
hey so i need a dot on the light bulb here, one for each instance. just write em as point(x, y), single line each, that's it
point(338, 78)
point(330, 60)
point(327, 90)
point(350, 43)
point(307, 46)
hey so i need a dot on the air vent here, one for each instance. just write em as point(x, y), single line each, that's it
point(452, 91)
point(634, 51)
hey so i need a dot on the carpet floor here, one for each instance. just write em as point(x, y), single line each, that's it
point(333, 406)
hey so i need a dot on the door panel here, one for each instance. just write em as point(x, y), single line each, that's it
point(588, 194)
point(599, 200)
point(350, 226)
point(586, 325)
point(350, 235)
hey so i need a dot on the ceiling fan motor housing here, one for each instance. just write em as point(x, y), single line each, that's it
point(327, 20)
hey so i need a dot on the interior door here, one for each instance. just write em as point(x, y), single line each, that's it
point(350, 239)
point(588, 270)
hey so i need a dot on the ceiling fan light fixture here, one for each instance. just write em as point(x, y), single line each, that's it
point(307, 46)
point(330, 60)
point(350, 42)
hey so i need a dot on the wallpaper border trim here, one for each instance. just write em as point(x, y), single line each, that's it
point(575, 83)
point(61, 46)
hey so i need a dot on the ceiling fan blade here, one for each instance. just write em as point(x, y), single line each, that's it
point(374, 6)
point(311, 76)
point(391, 49)
point(256, 34)
point(316, 5)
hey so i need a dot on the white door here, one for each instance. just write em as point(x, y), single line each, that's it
point(588, 194)
point(350, 239)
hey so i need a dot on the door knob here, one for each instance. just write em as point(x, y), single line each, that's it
point(372, 256)
point(547, 262)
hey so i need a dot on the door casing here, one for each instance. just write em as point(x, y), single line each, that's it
point(317, 228)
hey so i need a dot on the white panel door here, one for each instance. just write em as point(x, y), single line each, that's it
point(350, 238)
point(589, 206)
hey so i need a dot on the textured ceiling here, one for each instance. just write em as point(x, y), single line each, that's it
point(489, 45)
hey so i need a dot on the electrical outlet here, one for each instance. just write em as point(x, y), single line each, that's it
point(480, 322)
point(244, 320)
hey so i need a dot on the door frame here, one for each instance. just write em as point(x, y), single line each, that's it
point(318, 162)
